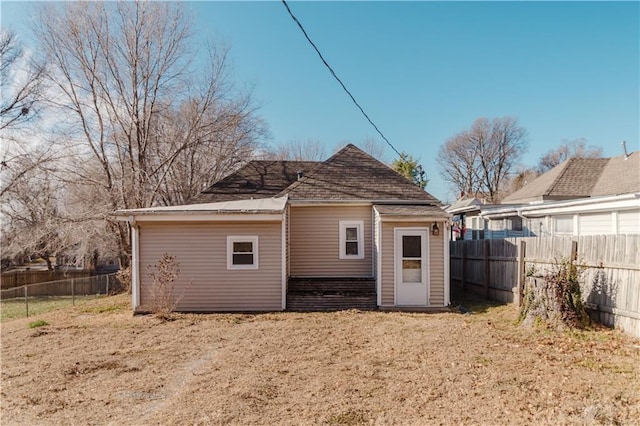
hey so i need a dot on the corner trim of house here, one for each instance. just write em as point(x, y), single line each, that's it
point(135, 267)
point(283, 261)
point(447, 266)
point(377, 241)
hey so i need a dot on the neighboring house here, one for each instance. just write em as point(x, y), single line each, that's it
point(275, 235)
point(466, 221)
point(581, 196)
point(469, 222)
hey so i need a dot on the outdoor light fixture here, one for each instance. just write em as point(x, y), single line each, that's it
point(435, 230)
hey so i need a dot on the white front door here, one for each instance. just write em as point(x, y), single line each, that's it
point(411, 267)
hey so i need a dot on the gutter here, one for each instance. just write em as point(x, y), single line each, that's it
point(522, 211)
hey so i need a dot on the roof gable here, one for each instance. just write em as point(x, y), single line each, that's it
point(351, 174)
point(573, 178)
point(583, 178)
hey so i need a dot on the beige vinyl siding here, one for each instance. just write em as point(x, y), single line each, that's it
point(387, 263)
point(436, 268)
point(436, 262)
point(314, 248)
point(204, 283)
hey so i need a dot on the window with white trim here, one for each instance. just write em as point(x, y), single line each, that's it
point(564, 224)
point(242, 252)
point(351, 239)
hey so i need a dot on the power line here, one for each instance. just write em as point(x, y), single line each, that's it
point(337, 78)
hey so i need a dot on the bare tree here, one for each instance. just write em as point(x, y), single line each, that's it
point(569, 148)
point(299, 150)
point(30, 211)
point(226, 141)
point(520, 178)
point(478, 160)
point(373, 147)
point(20, 83)
point(139, 104)
point(458, 163)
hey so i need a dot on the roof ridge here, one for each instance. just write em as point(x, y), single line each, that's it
point(305, 177)
point(314, 171)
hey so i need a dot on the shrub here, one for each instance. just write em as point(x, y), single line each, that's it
point(124, 279)
point(163, 301)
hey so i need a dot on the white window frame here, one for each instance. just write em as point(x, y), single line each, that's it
point(359, 225)
point(242, 239)
point(564, 220)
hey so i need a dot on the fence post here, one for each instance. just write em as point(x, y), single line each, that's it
point(106, 292)
point(522, 248)
point(26, 300)
point(73, 295)
point(574, 250)
point(464, 261)
point(487, 274)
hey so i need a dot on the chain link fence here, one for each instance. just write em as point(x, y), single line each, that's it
point(37, 298)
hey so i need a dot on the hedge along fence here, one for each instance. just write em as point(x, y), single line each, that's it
point(496, 269)
point(96, 285)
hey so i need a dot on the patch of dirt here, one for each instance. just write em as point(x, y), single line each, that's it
point(343, 368)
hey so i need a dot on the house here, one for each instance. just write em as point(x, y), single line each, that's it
point(581, 196)
point(470, 223)
point(276, 235)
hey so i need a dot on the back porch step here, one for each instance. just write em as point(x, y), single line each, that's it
point(331, 294)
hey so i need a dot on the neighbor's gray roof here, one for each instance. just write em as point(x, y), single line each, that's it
point(582, 178)
point(620, 176)
point(464, 204)
point(352, 175)
point(256, 179)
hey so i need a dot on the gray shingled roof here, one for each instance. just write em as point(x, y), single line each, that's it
point(582, 178)
point(351, 175)
point(620, 176)
point(464, 204)
point(256, 179)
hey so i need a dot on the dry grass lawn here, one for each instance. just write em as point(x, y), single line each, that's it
point(98, 364)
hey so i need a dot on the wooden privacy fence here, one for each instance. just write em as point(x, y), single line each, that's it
point(19, 278)
point(610, 283)
point(99, 284)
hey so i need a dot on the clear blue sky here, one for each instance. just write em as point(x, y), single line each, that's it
point(423, 71)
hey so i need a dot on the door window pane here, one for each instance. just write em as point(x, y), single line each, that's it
point(411, 246)
point(411, 270)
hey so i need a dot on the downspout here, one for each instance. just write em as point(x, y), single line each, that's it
point(447, 265)
point(135, 262)
point(523, 217)
point(284, 258)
